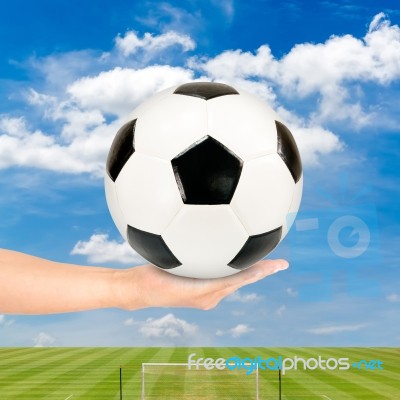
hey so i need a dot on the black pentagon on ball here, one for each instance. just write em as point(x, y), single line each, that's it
point(205, 90)
point(207, 172)
point(287, 149)
point(121, 149)
point(256, 248)
point(152, 247)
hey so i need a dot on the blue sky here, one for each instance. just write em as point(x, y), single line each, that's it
point(331, 68)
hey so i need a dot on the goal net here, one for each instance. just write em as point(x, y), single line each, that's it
point(168, 381)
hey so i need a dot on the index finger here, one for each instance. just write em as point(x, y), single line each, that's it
point(258, 271)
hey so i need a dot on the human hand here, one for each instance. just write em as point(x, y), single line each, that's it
point(148, 286)
point(32, 285)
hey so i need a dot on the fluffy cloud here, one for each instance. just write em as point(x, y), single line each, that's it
point(168, 327)
point(5, 321)
point(314, 142)
point(120, 90)
point(130, 43)
point(80, 128)
point(281, 310)
point(43, 339)
point(240, 297)
point(330, 330)
point(292, 292)
point(33, 148)
point(319, 68)
point(129, 322)
point(393, 298)
point(236, 332)
point(99, 249)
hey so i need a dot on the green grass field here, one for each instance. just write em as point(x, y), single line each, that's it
point(93, 373)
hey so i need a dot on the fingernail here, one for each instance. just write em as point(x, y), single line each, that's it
point(282, 266)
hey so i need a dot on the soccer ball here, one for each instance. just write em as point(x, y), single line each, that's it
point(203, 180)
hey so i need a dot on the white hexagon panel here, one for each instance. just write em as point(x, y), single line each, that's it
point(243, 123)
point(147, 193)
point(205, 239)
point(263, 196)
point(150, 103)
point(163, 132)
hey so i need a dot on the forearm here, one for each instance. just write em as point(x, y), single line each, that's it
point(31, 285)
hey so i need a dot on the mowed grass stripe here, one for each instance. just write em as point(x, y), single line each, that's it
point(303, 383)
point(389, 374)
point(24, 383)
point(269, 380)
point(219, 385)
point(292, 387)
point(316, 380)
point(8, 354)
point(266, 384)
point(395, 351)
point(32, 369)
point(381, 378)
point(107, 379)
point(56, 375)
point(323, 383)
point(29, 355)
point(36, 367)
point(347, 380)
point(152, 381)
point(134, 367)
point(332, 384)
point(390, 362)
point(246, 383)
point(76, 380)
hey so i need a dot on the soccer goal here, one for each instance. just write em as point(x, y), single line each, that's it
point(177, 381)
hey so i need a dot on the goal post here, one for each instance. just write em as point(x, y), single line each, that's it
point(198, 381)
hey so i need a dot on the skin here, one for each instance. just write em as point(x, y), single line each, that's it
point(32, 285)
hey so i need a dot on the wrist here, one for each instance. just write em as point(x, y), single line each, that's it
point(124, 289)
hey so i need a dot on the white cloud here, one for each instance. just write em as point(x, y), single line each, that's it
point(227, 7)
point(378, 22)
point(281, 310)
point(168, 326)
point(393, 298)
point(43, 339)
point(129, 322)
point(5, 321)
point(99, 249)
point(161, 15)
point(315, 142)
point(22, 147)
point(292, 292)
point(120, 90)
point(330, 330)
point(244, 297)
point(238, 313)
point(236, 332)
point(320, 68)
point(130, 43)
point(100, 85)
